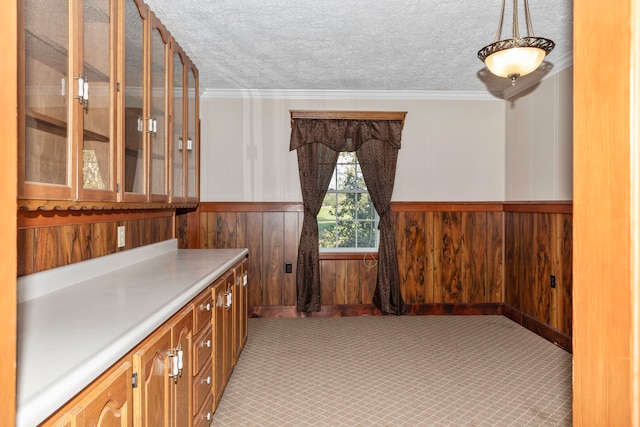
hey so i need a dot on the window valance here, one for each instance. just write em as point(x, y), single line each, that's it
point(345, 130)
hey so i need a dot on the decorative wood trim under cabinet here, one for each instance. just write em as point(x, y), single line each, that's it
point(85, 206)
point(34, 219)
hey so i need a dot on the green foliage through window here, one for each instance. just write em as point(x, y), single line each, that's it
point(347, 218)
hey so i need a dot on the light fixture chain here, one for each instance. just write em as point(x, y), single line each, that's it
point(516, 33)
point(499, 33)
point(528, 17)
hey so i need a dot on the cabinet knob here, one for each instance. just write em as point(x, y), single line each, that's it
point(206, 380)
point(206, 343)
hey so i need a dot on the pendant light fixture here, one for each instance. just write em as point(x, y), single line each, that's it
point(516, 56)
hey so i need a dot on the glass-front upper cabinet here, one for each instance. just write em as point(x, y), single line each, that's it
point(133, 149)
point(66, 142)
point(193, 135)
point(157, 123)
point(97, 149)
point(177, 124)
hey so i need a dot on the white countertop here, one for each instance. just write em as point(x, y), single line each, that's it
point(68, 337)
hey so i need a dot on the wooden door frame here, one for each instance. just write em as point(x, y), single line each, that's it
point(606, 214)
point(8, 197)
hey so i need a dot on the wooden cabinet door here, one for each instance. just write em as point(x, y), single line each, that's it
point(218, 290)
point(228, 351)
point(193, 136)
point(133, 147)
point(157, 111)
point(182, 332)
point(46, 93)
point(110, 403)
point(95, 130)
point(178, 131)
point(153, 365)
point(244, 325)
point(238, 311)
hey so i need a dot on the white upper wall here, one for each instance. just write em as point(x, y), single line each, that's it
point(452, 150)
point(539, 150)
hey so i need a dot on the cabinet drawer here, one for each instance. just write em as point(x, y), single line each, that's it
point(205, 415)
point(202, 386)
point(202, 309)
point(202, 349)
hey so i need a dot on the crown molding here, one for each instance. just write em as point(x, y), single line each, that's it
point(348, 94)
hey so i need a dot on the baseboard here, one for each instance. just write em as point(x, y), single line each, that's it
point(553, 335)
point(343, 310)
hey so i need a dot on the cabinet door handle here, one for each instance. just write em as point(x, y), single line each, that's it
point(180, 362)
point(229, 296)
point(244, 280)
point(174, 368)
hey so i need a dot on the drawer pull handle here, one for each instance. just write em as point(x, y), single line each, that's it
point(206, 380)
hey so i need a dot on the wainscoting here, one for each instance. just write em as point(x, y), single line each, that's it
point(538, 245)
point(459, 258)
point(471, 255)
point(49, 239)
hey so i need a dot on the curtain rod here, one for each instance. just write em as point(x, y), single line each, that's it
point(348, 115)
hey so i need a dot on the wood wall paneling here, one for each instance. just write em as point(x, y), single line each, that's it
point(495, 256)
point(291, 238)
point(253, 243)
point(55, 239)
point(475, 255)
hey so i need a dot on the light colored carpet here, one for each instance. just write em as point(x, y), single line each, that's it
point(397, 371)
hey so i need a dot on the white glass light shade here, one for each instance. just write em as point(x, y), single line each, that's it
point(517, 61)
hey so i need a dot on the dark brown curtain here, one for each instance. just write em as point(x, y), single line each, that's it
point(316, 163)
point(378, 160)
point(318, 143)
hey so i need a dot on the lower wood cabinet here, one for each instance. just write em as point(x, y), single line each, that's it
point(108, 403)
point(176, 376)
point(162, 384)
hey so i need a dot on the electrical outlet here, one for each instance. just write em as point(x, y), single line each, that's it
point(288, 267)
point(553, 281)
point(121, 238)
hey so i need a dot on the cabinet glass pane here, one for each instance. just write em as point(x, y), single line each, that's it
point(47, 88)
point(157, 108)
point(134, 123)
point(178, 118)
point(191, 135)
point(96, 70)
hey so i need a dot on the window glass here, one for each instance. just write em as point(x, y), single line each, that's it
point(347, 219)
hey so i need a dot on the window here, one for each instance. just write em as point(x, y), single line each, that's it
point(347, 219)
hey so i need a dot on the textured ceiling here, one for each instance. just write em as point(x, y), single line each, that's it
point(412, 45)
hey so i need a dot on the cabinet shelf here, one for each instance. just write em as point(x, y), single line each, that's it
point(55, 56)
point(58, 127)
